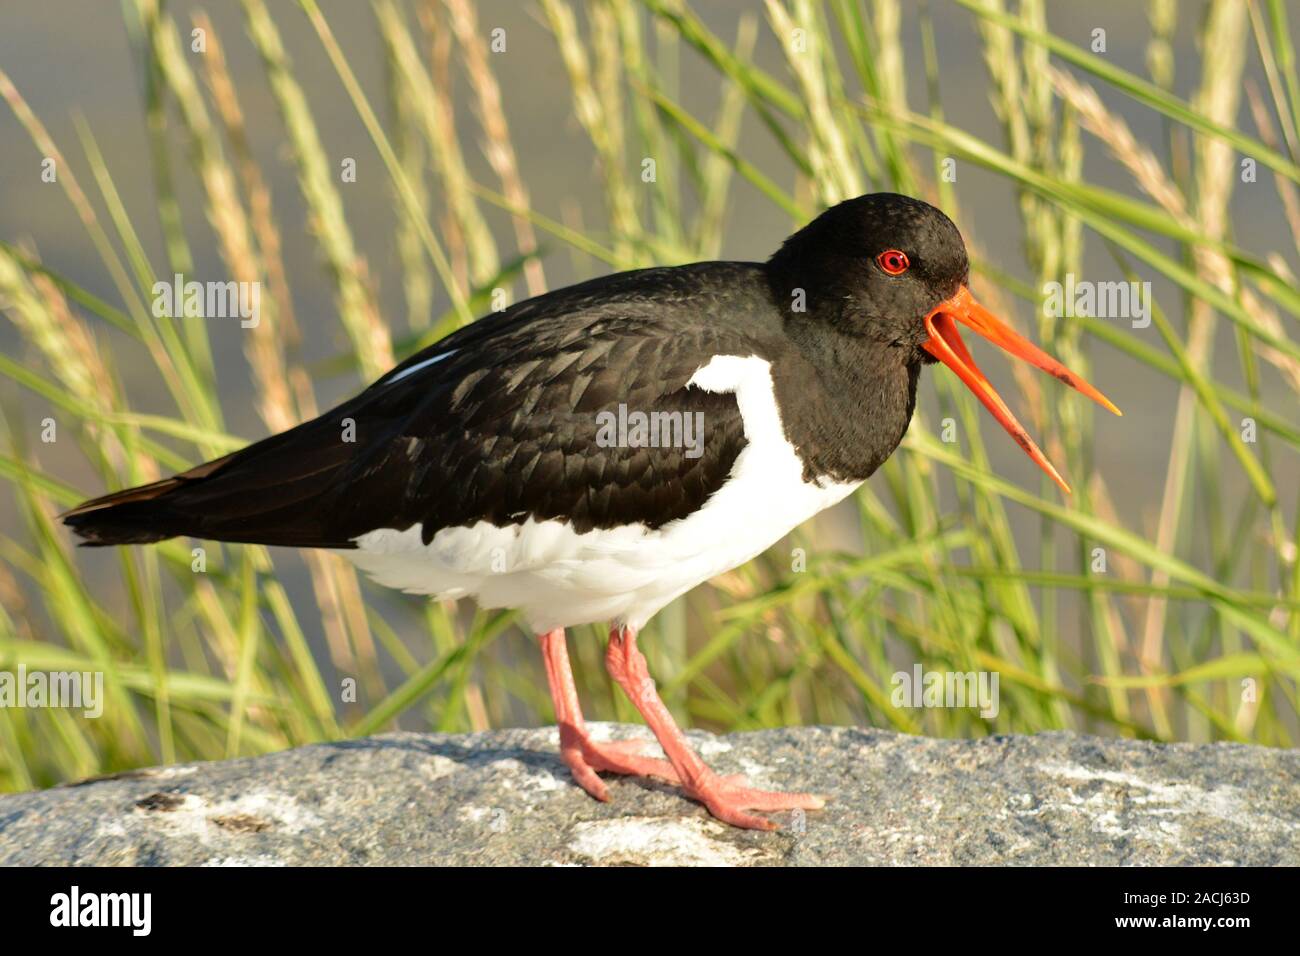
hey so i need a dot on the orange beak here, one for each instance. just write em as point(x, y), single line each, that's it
point(946, 345)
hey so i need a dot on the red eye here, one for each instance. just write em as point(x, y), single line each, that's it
point(893, 262)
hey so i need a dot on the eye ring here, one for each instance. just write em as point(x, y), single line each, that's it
point(893, 262)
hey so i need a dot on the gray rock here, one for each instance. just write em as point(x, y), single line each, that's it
point(505, 798)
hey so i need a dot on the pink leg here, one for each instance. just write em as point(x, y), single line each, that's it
point(584, 756)
point(725, 797)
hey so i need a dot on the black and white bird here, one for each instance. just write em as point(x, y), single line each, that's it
point(593, 453)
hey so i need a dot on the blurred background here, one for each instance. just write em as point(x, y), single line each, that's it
point(381, 169)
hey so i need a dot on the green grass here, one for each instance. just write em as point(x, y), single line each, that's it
point(1203, 596)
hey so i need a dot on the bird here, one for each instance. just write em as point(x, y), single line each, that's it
point(590, 454)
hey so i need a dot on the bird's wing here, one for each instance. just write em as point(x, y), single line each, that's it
point(513, 417)
point(551, 432)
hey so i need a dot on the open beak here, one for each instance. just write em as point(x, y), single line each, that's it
point(946, 345)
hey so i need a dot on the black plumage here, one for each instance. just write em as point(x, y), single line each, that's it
point(504, 427)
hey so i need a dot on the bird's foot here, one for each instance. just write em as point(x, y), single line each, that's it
point(727, 798)
point(586, 757)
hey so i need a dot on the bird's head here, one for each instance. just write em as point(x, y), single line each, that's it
point(894, 269)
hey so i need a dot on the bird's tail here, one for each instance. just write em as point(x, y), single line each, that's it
point(139, 515)
point(276, 491)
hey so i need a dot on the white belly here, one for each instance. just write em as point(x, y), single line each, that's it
point(558, 578)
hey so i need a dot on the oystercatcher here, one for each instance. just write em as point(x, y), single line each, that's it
point(592, 453)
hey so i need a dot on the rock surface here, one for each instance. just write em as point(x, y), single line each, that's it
point(504, 797)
